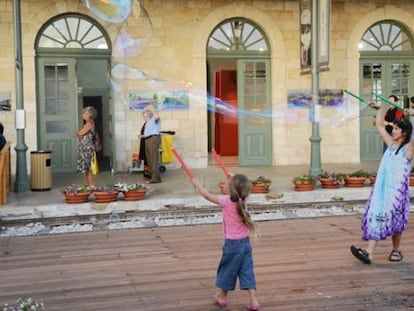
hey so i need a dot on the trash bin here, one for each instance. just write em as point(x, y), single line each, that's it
point(167, 142)
point(41, 170)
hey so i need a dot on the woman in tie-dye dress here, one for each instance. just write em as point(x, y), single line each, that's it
point(386, 212)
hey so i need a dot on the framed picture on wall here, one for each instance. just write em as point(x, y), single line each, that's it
point(161, 100)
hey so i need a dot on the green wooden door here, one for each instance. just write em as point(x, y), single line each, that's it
point(57, 112)
point(255, 119)
point(385, 77)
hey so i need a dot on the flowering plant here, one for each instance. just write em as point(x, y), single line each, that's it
point(106, 188)
point(304, 179)
point(332, 176)
point(24, 304)
point(359, 173)
point(124, 187)
point(74, 189)
point(261, 180)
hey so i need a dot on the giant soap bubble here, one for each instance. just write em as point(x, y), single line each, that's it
point(111, 11)
point(133, 28)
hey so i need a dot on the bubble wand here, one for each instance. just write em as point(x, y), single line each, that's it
point(186, 169)
point(357, 97)
point(386, 100)
point(220, 163)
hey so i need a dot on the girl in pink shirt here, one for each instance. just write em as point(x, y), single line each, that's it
point(237, 259)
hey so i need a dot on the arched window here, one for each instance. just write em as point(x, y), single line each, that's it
point(237, 35)
point(386, 36)
point(72, 31)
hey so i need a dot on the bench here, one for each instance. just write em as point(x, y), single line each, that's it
point(5, 173)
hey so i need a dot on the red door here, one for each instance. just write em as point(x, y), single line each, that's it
point(226, 125)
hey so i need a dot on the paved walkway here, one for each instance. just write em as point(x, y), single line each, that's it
point(177, 191)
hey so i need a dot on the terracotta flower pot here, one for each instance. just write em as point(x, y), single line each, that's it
point(304, 186)
point(329, 183)
point(260, 188)
point(134, 195)
point(355, 181)
point(372, 180)
point(411, 181)
point(105, 197)
point(80, 197)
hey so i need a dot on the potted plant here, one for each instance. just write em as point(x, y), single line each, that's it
point(132, 192)
point(24, 304)
point(304, 182)
point(105, 194)
point(372, 177)
point(260, 185)
point(75, 193)
point(356, 179)
point(411, 178)
point(331, 179)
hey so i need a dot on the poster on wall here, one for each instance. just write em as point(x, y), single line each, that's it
point(323, 34)
point(305, 19)
point(161, 100)
point(329, 98)
point(324, 20)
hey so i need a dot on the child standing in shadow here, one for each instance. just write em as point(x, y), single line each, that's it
point(237, 258)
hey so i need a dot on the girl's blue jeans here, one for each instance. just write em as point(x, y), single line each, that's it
point(236, 262)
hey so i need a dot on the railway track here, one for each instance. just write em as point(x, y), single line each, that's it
point(173, 215)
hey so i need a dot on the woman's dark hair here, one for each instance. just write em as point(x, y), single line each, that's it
point(406, 129)
point(1, 128)
point(395, 97)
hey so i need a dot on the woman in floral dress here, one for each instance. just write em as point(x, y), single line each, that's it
point(86, 144)
point(386, 212)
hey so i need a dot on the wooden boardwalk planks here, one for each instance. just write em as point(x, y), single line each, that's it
point(302, 264)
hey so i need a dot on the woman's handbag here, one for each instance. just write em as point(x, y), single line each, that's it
point(94, 164)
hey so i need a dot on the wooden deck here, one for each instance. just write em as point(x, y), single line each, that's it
point(300, 265)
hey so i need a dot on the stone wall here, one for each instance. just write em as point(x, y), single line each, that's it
point(176, 51)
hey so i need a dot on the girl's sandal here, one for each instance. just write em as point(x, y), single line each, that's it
point(395, 256)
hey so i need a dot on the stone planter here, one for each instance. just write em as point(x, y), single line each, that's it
point(134, 195)
point(355, 182)
point(80, 197)
point(105, 197)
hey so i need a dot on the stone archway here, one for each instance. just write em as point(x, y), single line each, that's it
point(277, 47)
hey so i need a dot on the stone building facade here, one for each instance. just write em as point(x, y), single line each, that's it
point(172, 55)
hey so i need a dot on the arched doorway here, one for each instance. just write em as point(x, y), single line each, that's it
point(72, 60)
point(239, 78)
point(386, 62)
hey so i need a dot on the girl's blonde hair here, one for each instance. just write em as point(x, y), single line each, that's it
point(239, 187)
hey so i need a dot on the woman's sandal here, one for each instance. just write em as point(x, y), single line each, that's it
point(395, 256)
point(361, 254)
